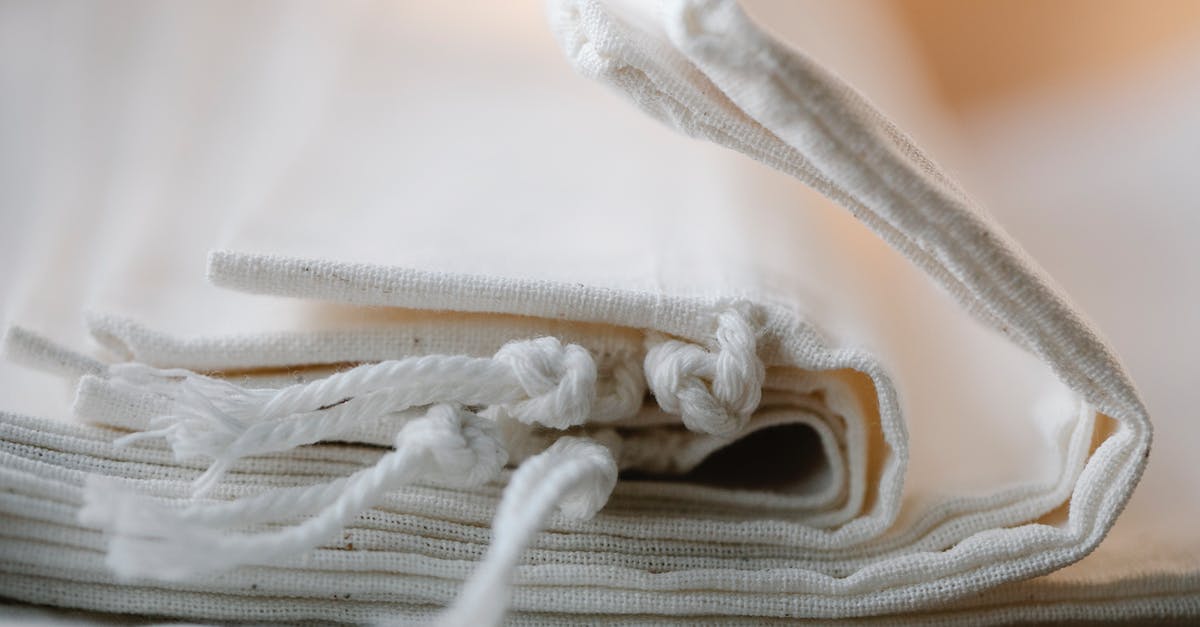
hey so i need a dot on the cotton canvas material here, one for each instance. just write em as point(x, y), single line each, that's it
point(383, 528)
point(664, 252)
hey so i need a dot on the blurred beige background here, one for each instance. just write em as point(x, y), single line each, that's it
point(980, 52)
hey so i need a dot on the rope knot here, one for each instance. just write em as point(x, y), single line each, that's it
point(714, 391)
point(559, 380)
point(463, 447)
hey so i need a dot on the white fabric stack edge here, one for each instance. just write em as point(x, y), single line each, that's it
point(50, 560)
point(702, 322)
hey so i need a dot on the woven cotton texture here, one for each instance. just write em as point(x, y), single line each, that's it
point(444, 386)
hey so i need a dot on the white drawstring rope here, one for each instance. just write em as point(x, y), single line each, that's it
point(620, 394)
point(574, 475)
point(448, 444)
point(526, 384)
point(713, 391)
point(536, 381)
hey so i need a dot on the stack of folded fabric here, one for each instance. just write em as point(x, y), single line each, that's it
point(477, 337)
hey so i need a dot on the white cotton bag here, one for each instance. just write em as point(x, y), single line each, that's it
point(494, 261)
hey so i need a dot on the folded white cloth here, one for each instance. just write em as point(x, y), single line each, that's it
point(573, 289)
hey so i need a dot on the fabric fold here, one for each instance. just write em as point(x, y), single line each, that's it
point(716, 394)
